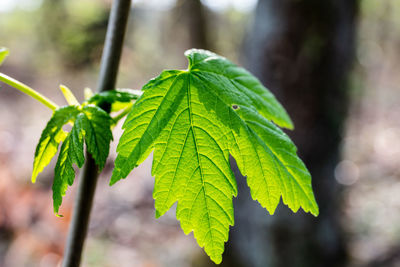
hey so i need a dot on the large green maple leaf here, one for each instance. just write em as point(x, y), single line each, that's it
point(193, 120)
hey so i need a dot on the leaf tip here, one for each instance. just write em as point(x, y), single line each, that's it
point(315, 210)
point(217, 259)
point(313, 207)
point(33, 178)
point(290, 125)
point(68, 95)
point(56, 207)
point(271, 212)
point(115, 177)
point(285, 122)
point(3, 54)
point(158, 214)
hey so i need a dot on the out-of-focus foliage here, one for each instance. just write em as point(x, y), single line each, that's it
point(75, 28)
point(371, 151)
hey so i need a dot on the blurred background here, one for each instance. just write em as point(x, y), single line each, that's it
point(334, 65)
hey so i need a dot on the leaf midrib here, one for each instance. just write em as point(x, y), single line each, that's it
point(198, 160)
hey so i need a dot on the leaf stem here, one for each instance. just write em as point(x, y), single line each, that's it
point(27, 90)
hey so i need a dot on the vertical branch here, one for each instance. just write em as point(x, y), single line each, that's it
point(113, 45)
point(195, 18)
point(87, 183)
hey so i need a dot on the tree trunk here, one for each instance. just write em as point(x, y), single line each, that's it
point(302, 50)
point(192, 14)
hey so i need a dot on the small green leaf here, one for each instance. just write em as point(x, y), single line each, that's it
point(119, 98)
point(195, 119)
point(92, 125)
point(71, 152)
point(97, 131)
point(3, 54)
point(52, 135)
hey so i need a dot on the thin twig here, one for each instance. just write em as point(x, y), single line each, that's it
point(27, 90)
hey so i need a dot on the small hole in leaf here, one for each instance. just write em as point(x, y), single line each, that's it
point(67, 127)
point(235, 107)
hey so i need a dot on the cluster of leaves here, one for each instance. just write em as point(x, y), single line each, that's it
point(193, 120)
point(90, 125)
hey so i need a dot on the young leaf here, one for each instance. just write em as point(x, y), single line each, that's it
point(3, 54)
point(71, 152)
point(96, 126)
point(118, 98)
point(193, 120)
point(51, 136)
point(92, 125)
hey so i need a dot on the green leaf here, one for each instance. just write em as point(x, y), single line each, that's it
point(3, 54)
point(195, 119)
point(119, 98)
point(51, 136)
point(71, 152)
point(219, 68)
point(97, 132)
point(92, 125)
